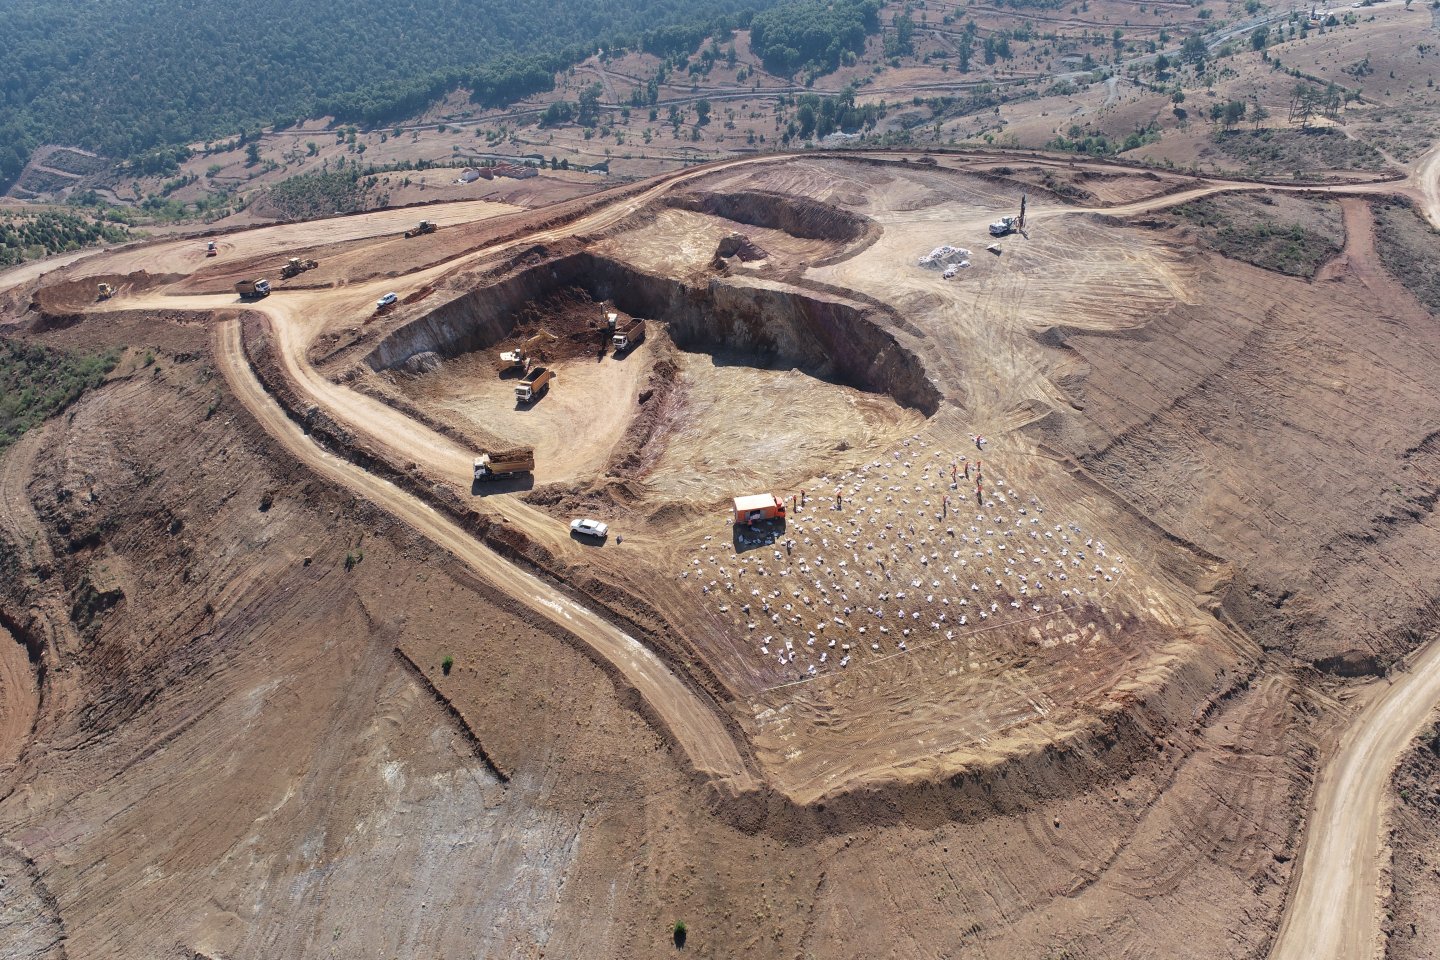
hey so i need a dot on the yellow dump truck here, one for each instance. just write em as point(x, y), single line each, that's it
point(501, 466)
point(628, 335)
point(535, 382)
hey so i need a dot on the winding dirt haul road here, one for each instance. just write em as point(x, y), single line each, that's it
point(1333, 908)
point(693, 723)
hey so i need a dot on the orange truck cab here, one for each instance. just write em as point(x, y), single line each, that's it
point(761, 506)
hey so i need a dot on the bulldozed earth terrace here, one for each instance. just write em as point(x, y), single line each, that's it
point(1062, 526)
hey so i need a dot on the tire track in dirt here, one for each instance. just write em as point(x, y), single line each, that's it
point(19, 702)
point(690, 721)
point(1334, 906)
point(18, 522)
point(35, 269)
point(19, 682)
point(31, 925)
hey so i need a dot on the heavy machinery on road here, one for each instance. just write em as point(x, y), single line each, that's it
point(105, 292)
point(502, 466)
point(628, 335)
point(211, 250)
point(252, 289)
point(1008, 225)
point(535, 382)
point(295, 266)
point(425, 226)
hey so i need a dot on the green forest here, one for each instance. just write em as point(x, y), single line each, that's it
point(124, 77)
point(812, 34)
point(29, 236)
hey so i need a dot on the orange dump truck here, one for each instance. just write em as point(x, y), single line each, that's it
point(761, 506)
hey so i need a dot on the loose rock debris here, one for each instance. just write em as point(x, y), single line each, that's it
point(916, 548)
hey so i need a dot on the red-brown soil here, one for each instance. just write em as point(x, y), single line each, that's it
point(284, 684)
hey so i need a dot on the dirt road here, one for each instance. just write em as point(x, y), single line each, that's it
point(1334, 907)
point(693, 723)
point(1340, 823)
point(26, 272)
point(1427, 178)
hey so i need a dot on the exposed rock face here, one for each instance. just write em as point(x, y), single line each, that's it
point(827, 336)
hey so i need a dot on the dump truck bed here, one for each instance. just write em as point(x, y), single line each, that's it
point(759, 501)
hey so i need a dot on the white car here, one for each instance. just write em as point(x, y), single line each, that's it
point(590, 528)
point(386, 301)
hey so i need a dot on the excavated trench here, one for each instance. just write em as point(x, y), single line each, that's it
point(798, 216)
point(769, 324)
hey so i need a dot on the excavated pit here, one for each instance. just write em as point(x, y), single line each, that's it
point(771, 325)
point(661, 415)
point(797, 216)
point(722, 391)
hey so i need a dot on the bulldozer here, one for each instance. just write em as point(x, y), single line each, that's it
point(295, 266)
point(426, 226)
point(105, 292)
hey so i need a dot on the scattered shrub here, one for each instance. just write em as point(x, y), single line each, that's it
point(38, 382)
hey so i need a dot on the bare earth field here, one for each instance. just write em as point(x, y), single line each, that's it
point(1093, 552)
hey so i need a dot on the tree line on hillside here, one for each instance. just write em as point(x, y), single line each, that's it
point(813, 35)
point(818, 116)
point(129, 76)
point(29, 236)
